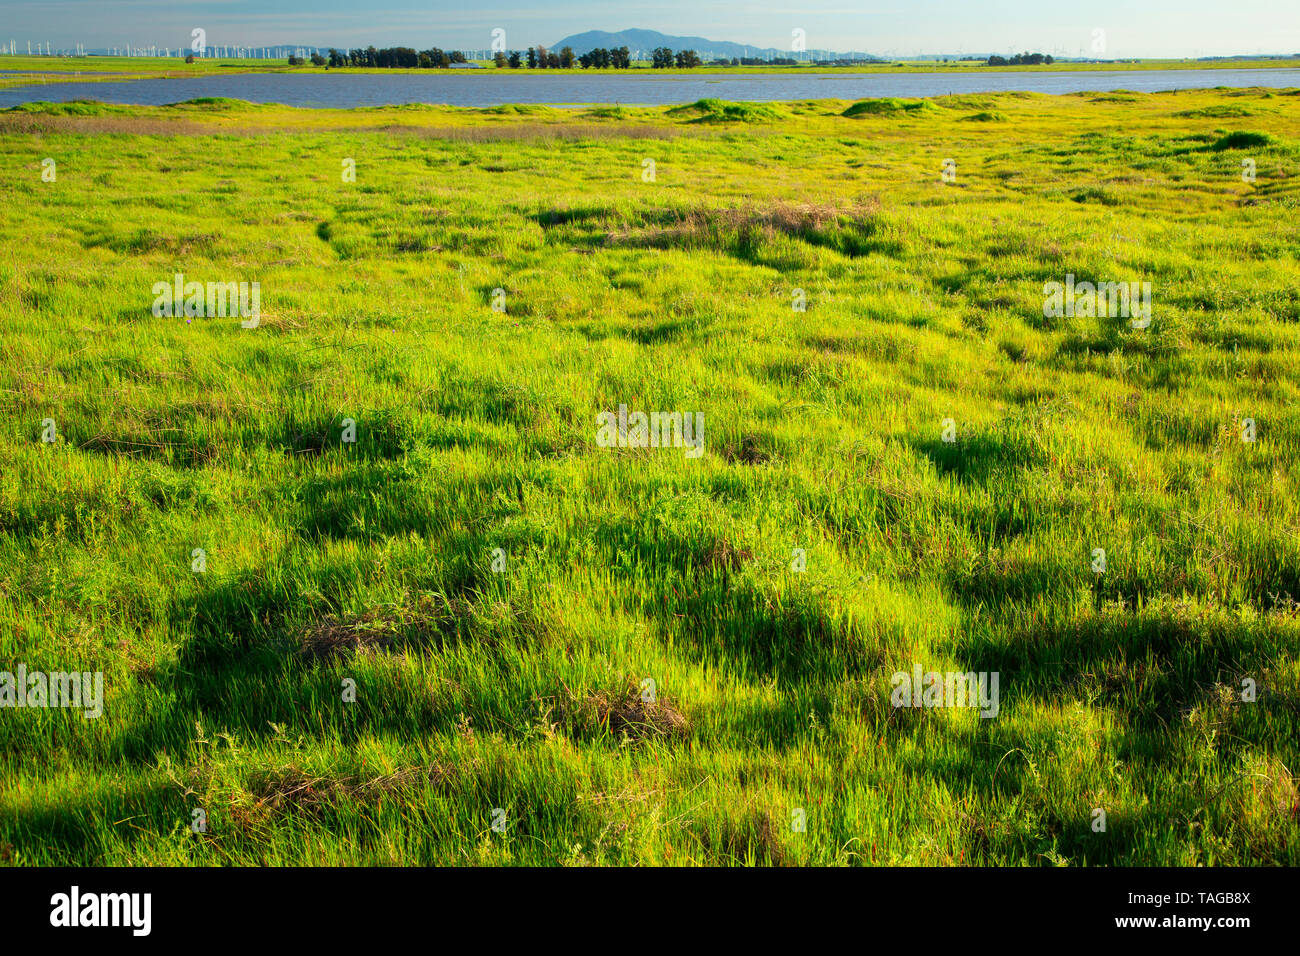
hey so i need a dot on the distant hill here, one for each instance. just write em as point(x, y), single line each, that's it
point(641, 42)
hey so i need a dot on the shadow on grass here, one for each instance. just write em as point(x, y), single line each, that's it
point(73, 829)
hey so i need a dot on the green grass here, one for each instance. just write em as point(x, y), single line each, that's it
point(1243, 139)
point(518, 687)
point(721, 111)
point(889, 106)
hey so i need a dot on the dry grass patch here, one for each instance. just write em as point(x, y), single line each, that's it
point(848, 229)
point(386, 628)
point(566, 132)
point(752, 839)
point(725, 556)
point(124, 126)
point(625, 714)
point(291, 790)
point(748, 451)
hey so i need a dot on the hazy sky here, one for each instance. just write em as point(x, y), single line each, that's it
point(1132, 27)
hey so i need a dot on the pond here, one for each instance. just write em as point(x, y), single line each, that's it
point(493, 88)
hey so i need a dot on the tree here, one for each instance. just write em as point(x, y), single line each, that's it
point(189, 57)
point(1021, 59)
point(687, 59)
point(538, 58)
point(394, 57)
point(661, 58)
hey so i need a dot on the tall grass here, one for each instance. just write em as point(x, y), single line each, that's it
point(498, 590)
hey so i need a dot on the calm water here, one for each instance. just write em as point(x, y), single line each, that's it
point(477, 89)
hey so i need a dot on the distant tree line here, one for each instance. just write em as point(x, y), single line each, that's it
point(602, 59)
point(397, 57)
point(535, 58)
point(775, 61)
point(665, 59)
point(1021, 59)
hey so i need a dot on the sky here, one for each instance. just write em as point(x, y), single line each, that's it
point(1132, 28)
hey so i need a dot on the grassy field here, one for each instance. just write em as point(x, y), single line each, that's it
point(54, 69)
point(389, 645)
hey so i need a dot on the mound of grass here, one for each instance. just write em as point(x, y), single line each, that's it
point(409, 108)
point(1095, 194)
point(889, 106)
point(70, 108)
point(1243, 140)
point(991, 116)
point(1218, 111)
point(222, 104)
point(722, 111)
point(518, 109)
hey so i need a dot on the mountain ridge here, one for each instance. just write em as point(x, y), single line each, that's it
point(644, 41)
